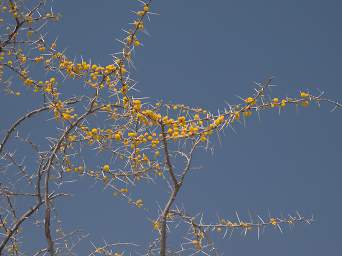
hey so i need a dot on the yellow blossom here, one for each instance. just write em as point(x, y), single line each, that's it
point(250, 100)
point(305, 103)
point(132, 134)
point(117, 136)
point(137, 105)
point(247, 113)
point(156, 225)
point(72, 138)
point(124, 190)
point(139, 203)
point(106, 168)
point(203, 138)
point(283, 103)
point(273, 221)
point(304, 94)
point(38, 59)
point(146, 8)
point(66, 116)
point(28, 81)
point(219, 120)
point(136, 43)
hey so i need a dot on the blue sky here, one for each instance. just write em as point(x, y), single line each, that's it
point(203, 53)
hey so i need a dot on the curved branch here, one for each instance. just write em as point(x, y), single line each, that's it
point(25, 117)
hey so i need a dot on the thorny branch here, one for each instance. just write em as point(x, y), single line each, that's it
point(145, 140)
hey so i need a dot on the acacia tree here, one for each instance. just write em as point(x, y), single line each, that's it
point(142, 140)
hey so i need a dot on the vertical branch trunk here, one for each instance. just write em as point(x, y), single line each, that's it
point(47, 223)
point(163, 224)
point(176, 187)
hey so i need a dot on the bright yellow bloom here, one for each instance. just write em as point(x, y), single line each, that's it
point(156, 225)
point(181, 119)
point(250, 100)
point(66, 116)
point(38, 59)
point(132, 134)
point(136, 43)
point(106, 168)
point(22, 59)
point(124, 190)
point(273, 221)
point(117, 136)
point(137, 105)
point(237, 115)
point(247, 113)
point(274, 102)
point(304, 94)
point(283, 103)
point(140, 13)
point(146, 8)
point(219, 120)
point(305, 103)
point(72, 138)
point(28, 81)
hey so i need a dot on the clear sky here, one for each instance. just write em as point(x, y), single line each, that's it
point(203, 53)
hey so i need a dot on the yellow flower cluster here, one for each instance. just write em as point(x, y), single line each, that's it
point(60, 111)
